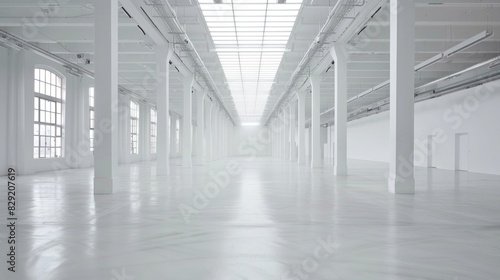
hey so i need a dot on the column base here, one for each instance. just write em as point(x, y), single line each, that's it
point(400, 185)
point(316, 164)
point(103, 186)
point(340, 170)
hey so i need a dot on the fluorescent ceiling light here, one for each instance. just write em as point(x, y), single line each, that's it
point(468, 43)
point(429, 62)
point(250, 38)
point(495, 63)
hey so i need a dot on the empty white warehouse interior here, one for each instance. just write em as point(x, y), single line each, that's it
point(250, 139)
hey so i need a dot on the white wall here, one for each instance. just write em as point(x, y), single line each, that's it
point(17, 93)
point(251, 141)
point(474, 111)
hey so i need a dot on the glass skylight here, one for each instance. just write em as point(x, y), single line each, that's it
point(250, 38)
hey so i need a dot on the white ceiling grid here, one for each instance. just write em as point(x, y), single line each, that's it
point(250, 38)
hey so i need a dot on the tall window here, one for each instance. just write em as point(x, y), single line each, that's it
point(153, 131)
point(134, 127)
point(91, 118)
point(48, 124)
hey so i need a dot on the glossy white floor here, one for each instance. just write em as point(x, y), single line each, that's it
point(272, 221)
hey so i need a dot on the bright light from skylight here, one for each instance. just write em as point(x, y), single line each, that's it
point(250, 38)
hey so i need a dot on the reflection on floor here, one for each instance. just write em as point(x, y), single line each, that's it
point(259, 220)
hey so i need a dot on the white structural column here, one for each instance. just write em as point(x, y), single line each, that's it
point(214, 134)
point(187, 120)
point(173, 136)
point(163, 55)
point(200, 134)
point(301, 126)
point(339, 55)
point(293, 125)
point(282, 135)
point(401, 177)
point(315, 122)
point(106, 95)
point(210, 135)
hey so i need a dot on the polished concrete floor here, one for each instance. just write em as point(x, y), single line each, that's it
point(272, 220)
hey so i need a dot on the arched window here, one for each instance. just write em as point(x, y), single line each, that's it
point(153, 130)
point(134, 127)
point(48, 115)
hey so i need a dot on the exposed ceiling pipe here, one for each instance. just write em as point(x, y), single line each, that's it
point(473, 76)
point(336, 16)
point(447, 53)
point(72, 68)
point(169, 17)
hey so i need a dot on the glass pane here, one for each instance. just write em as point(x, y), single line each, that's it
point(58, 92)
point(37, 74)
point(36, 130)
point(58, 142)
point(53, 91)
point(58, 131)
point(58, 120)
point(42, 88)
point(58, 107)
point(53, 131)
point(37, 86)
point(58, 152)
point(59, 82)
point(36, 141)
point(52, 117)
point(35, 153)
point(36, 103)
point(42, 75)
point(52, 152)
point(42, 117)
point(36, 115)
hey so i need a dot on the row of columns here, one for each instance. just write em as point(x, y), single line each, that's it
point(402, 61)
point(213, 126)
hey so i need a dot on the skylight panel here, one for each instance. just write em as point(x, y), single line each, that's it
point(250, 39)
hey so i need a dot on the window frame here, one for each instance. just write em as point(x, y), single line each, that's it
point(153, 131)
point(48, 113)
point(134, 127)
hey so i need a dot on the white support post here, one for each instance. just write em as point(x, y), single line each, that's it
point(401, 174)
point(301, 110)
point(173, 136)
point(187, 120)
point(200, 135)
point(293, 125)
point(339, 55)
point(316, 160)
point(286, 132)
point(106, 95)
point(163, 56)
point(210, 136)
point(214, 134)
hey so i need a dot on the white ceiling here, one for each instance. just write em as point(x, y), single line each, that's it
point(69, 31)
